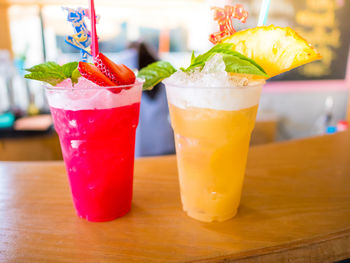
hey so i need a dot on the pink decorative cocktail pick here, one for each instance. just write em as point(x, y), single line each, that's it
point(94, 40)
point(224, 18)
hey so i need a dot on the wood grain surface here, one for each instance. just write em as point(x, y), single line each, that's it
point(295, 208)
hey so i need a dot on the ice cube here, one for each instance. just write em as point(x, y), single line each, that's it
point(215, 64)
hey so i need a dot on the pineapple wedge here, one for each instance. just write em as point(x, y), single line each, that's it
point(275, 49)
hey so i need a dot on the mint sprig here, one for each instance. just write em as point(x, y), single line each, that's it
point(53, 73)
point(155, 73)
point(234, 61)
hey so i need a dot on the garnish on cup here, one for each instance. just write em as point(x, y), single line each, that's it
point(119, 74)
point(261, 52)
point(104, 73)
point(107, 73)
point(92, 73)
point(276, 49)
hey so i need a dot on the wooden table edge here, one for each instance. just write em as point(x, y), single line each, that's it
point(326, 243)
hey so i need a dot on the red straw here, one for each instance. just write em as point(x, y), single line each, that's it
point(94, 42)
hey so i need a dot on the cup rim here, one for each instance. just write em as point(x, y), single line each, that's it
point(138, 82)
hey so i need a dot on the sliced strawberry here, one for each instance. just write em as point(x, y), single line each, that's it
point(118, 73)
point(92, 73)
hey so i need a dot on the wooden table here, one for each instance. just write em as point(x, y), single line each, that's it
point(295, 208)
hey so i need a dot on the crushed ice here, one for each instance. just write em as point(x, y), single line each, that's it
point(213, 75)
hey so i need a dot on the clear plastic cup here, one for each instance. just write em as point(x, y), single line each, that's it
point(96, 127)
point(212, 128)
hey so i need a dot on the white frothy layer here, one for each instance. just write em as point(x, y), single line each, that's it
point(86, 95)
point(214, 98)
point(213, 88)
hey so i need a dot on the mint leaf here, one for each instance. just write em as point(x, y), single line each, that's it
point(155, 73)
point(51, 78)
point(53, 73)
point(234, 61)
point(75, 76)
point(200, 60)
point(193, 57)
point(237, 65)
point(48, 66)
point(68, 68)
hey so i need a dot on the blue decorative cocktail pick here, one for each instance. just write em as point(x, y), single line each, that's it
point(81, 39)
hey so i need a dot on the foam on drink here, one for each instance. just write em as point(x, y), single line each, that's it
point(87, 95)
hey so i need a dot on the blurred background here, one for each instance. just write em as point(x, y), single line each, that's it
point(308, 101)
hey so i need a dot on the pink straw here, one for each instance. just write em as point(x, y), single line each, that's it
point(94, 41)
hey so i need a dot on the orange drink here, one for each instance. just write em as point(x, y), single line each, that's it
point(212, 128)
point(213, 104)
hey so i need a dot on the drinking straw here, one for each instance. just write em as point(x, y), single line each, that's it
point(94, 41)
point(264, 10)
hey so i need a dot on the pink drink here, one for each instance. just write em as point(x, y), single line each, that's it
point(97, 135)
